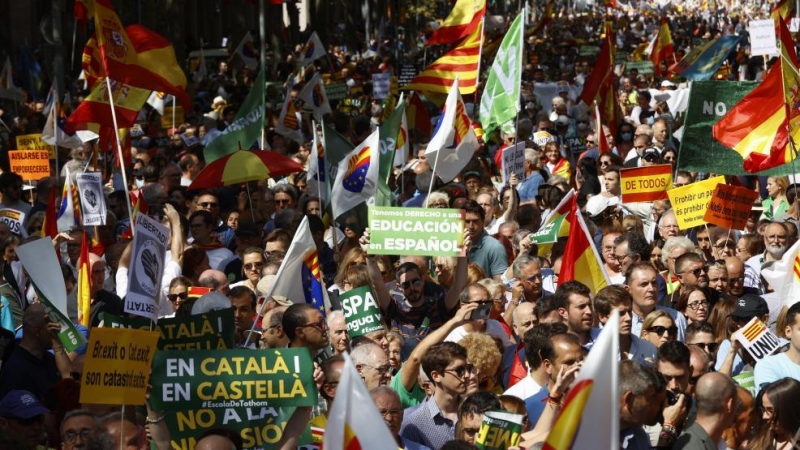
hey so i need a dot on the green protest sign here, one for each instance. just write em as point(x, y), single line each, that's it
point(69, 335)
point(709, 101)
point(588, 50)
point(415, 231)
point(499, 431)
point(548, 234)
point(361, 312)
point(336, 91)
point(111, 321)
point(644, 67)
point(210, 331)
point(746, 380)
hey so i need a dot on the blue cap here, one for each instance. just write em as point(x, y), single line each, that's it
point(22, 405)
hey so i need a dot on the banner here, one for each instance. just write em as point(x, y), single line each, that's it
point(14, 219)
point(381, 83)
point(93, 202)
point(336, 91)
point(499, 431)
point(210, 331)
point(111, 321)
point(43, 267)
point(31, 165)
point(709, 101)
point(117, 366)
point(756, 338)
point(746, 380)
point(730, 206)
point(35, 142)
point(514, 162)
point(415, 231)
point(763, 39)
point(149, 251)
point(645, 184)
point(548, 233)
point(361, 312)
point(691, 201)
point(644, 67)
point(407, 73)
point(166, 118)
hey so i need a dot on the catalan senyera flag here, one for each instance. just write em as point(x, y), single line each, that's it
point(138, 56)
point(764, 126)
point(588, 417)
point(289, 121)
point(462, 62)
point(784, 275)
point(128, 101)
point(581, 261)
point(603, 70)
point(354, 422)
point(662, 47)
point(69, 209)
point(84, 283)
point(401, 143)
point(465, 17)
point(453, 142)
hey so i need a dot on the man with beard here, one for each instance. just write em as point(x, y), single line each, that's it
point(575, 308)
point(776, 236)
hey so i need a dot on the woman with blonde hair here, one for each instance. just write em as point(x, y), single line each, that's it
point(484, 353)
point(776, 204)
point(659, 328)
point(353, 256)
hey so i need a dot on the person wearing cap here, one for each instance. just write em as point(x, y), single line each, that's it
point(731, 359)
point(22, 419)
point(786, 364)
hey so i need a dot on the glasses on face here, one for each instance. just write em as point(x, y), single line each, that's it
point(709, 347)
point(275, 254)
point(694, 306)
point(605, 163)
point(320, 325)
point(71, 437)
point(619, 258)
point(460, 371)
point(739, 280)
point(589, 142)
point(382, 369)
point(282, 201)
point(207, 205)
point(669, 158)
point(407, 284)
point(470, 431)
point(697, 272)
point(255, 265)
point(659, 330)
point(180, 295)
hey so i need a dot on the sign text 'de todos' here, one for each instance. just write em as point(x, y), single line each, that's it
point(645, 184)
point(415, 231)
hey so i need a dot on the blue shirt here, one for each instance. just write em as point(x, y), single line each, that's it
point(529, 187)
point(428, 426)
point(535, 405)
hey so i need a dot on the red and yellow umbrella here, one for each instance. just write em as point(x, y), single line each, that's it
point(242, 166)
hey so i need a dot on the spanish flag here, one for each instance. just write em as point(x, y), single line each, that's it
point(546, 18)
point(464, 19)
point(603, 146)
point(603, 71)
point(782, 10)
point(462, 61)
point(581, 261)
point(661, 49)
point(137, 56)
point(84, 283)
point(765, 125)
point(128, 101)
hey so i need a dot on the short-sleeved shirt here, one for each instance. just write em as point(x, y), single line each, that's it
point(773, 368)
point(418, 321)
point(25, 371)
point(490, 254)
point(407, 398)
point(428, 426)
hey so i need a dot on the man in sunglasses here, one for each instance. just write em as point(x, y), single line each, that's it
point(702, 336)
point(208, 201)
point(693, 273)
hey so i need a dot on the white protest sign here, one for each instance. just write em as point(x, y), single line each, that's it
point(14, 219)
point(756, 338)
point(93, 203)
point(514, 162)
point(381, 84)
point(147, 267)
point(763, 40)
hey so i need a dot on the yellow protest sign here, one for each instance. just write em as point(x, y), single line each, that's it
point(31, 165)
point(166, 119)
point(117, 366)
point(691, 201)
point(35, 142)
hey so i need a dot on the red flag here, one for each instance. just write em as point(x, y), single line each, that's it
point(418, 116)
point(603, 70)
point(603, 146)
point(50, 227)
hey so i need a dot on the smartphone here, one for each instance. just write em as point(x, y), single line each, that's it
point(482, 311)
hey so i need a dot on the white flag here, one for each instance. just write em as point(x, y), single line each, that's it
point(401, 145)
point(356, 176)
point(453, 142)
point(156, 100)
point(784, 275)
point(53, 132)
point(314, 96)
point(312, 51)
point(246, 50)
point(316, 174)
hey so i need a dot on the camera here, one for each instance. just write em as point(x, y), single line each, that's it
point(672, 397)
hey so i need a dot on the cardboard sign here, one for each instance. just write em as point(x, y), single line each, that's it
point(336, 91)
point(166, 118)
point(746, 380)
point(691, 201)
point(763, 40)
point(645, 184)
point(93, 202)
point(756, 338)
point(149, 251)
point(499, 431)
point(730, 206)
point(361, 312)
point(514, 162)
point(31, 165)
point(407, 73)
point(117, 366)
point(415, 231)
point(644, 67)
point(35, 142)
point(14, 219)
point(381, 83)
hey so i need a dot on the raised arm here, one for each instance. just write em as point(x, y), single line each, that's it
point(375, 274)
point(513, 203)
point(451, 299)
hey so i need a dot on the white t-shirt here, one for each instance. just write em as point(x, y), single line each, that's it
point(493, 328)
point(524, 388)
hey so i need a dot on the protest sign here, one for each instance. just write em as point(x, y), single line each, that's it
point(407, 73)
point(14, 219)
point(381, 83)
point(644, 67)
point(336, 91)
point(415, 231)
point(166, 118)
point(40, 261)
point(213, 330)
point(746, 380)
point(117, 366)
point(499, 431)
point(149, 251)
point(514, 162)
point(645, 184)
point(111, 321)
point(690, 202)
point(730, 206)
point(35, 142)
point(548, 233)
point(361, 312)
point(763, 39)
point(31, 165)
point(93, 202)
point(756, 338)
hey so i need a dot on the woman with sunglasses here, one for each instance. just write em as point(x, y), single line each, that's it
point(659, 328)
point(253, 261)
point(693, 303)
point(779, 426)
point(670, 155)
point(178, 293)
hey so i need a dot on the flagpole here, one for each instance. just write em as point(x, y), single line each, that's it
point(74, 38)
point(119, 152)
point(54, 112)
point(478, 74)
point(173, 114)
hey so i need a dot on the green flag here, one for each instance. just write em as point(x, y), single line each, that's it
point(388, 136)
point(500, 100)
point(245, 129)
point(709, 101)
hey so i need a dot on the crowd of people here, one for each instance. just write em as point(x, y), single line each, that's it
point(433, 371)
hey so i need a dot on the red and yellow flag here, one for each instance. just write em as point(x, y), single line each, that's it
point(462, 61)
point(663, 47)
point(84, 283)
point(581, 261)
point(603, 146)
point(128, 101)
point(765, 125)
point(782, 10)
point(603, 70)
point(546, 18)
point(137, 56)
point(465, 17)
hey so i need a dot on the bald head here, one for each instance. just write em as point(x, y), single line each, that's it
point(215, 442)
point(215, 280)
point(715, 394)
point(735, 268)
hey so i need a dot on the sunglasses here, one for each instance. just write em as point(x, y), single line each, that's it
point(251, 266)
point(589, 142)
point(462, 370)
point(697, 272)
point(282, 202)
point(408, 284)
point(605, 163)
point(174, 297)
point(659, 330)
point(710, 347)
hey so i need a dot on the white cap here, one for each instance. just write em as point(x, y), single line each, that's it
point(598, 203)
